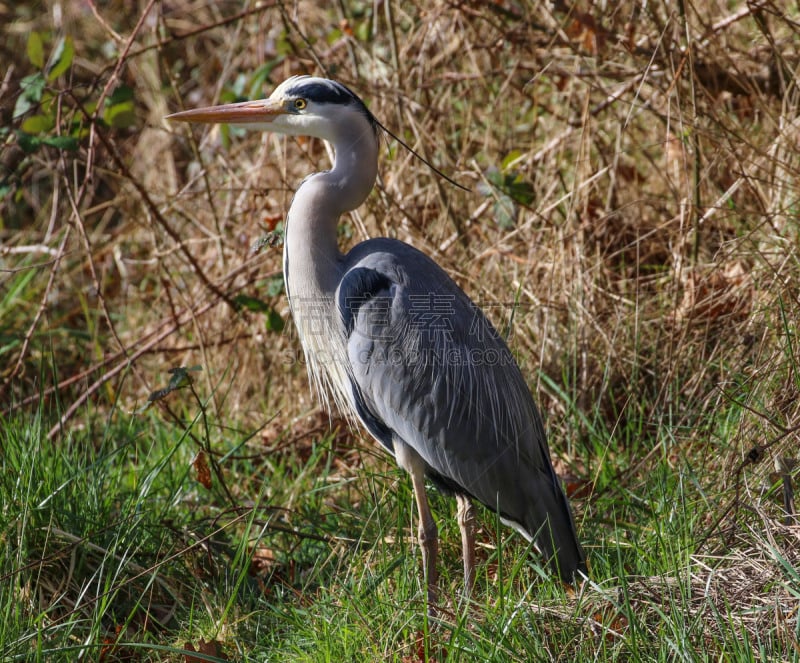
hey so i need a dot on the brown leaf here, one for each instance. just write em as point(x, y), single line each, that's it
point(201, 467)
point(211, 648)
point(263, 560)
point(109, 647)
point(577, 489)
point(614, 622)
point(723, 292)
point(272, 220)
point(575, 486)
point(584, 31)
point(436, 651)
point(346, 28)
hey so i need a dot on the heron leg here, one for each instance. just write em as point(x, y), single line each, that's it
point(428, 537)
point(412, 463)
point(466, 523)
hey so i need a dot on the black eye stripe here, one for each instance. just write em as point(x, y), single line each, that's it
point(327, 92)
point(333, 93)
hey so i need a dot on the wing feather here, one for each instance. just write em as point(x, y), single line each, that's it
point(426, 365)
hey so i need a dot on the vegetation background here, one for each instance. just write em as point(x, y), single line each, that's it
point(170, 489)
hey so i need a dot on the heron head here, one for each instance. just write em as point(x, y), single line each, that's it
point(300, 106)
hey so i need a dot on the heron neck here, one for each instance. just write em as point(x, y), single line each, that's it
point(312, 260)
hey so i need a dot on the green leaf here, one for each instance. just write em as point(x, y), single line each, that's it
point(511, 157)
point(32, 90)
point(35, 49)
point(181, 378)
point(275, 322)
point(79, 131)
point(120, 116)
point(68, 143)
point(37, 124)
point(228, 97)
point(495, 177)
point(363, 30)
point(33, 87)
point(119, 111)
point(333, 36)
point(120, 94)
point(520, 190)
point(275, 286)
point(61, 58)
point(251, 303)
point(238, 87)
point(22, 106)
point(28, 143)
point(282, 44)
point(225, 134)
point(511, 184)
point(272, 238)
point(505, 212)
point(260, 76)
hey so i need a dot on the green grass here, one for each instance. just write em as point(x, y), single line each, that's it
point(110, 544)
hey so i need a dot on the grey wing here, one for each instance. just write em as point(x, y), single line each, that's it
point(428, 367)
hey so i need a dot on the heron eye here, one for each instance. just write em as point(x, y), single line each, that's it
point(300, 104)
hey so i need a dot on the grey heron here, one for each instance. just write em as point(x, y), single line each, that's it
point(396, 344)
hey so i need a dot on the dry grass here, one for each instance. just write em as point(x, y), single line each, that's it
point(653, 281)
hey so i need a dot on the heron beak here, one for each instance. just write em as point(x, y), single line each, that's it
point(245, 112)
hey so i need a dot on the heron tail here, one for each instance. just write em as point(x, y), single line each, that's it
point(551, 524)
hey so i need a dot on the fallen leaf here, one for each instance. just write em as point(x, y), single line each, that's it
point(200, 465)
point(210, 648)
point(708, 295)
